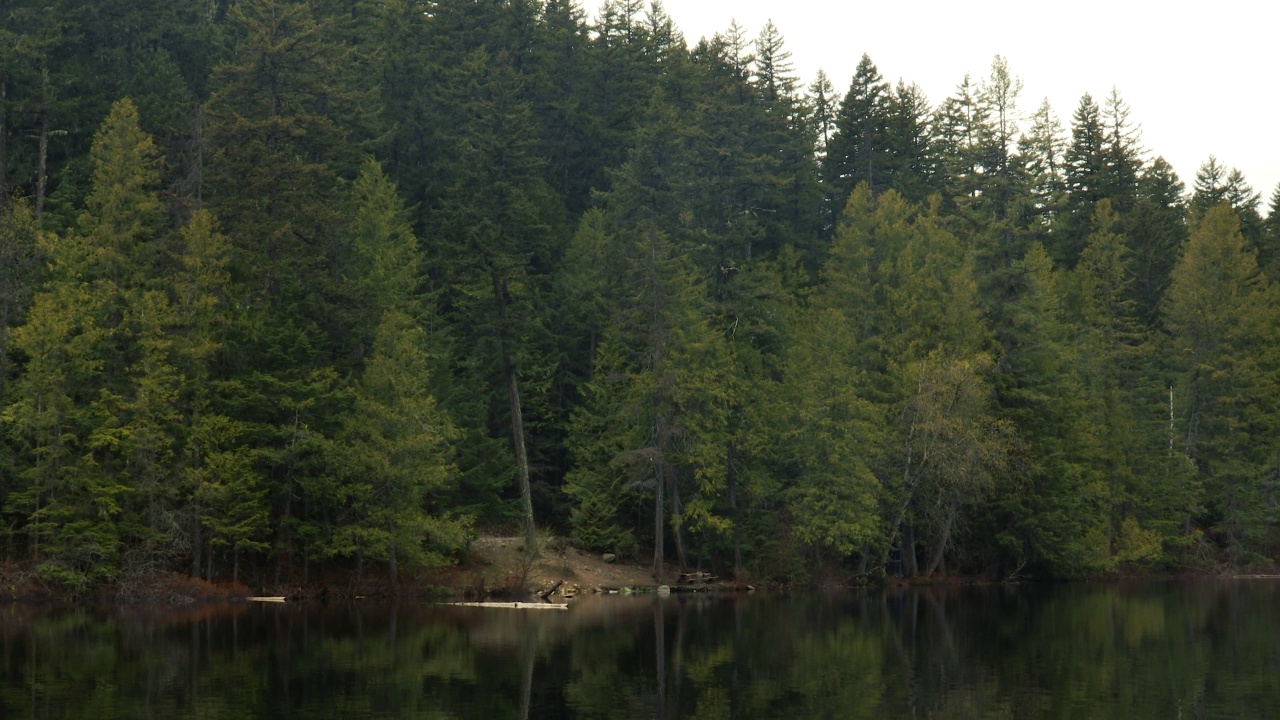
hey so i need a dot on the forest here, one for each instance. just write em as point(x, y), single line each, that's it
point(290, 287)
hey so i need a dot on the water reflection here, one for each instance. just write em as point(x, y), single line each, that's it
point(1146, 650)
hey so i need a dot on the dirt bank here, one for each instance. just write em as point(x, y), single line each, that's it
point(497, 566)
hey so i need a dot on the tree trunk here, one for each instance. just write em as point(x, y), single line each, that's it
point(4, 143)
point(658, 550)
point(526, 678)
point(43, 153)
point(909, 566)
point(945, 537)
point(195, 535)
point(731, 471)
point(522, 457)
point(517, 419)
point(675, 523)
point(391, 562)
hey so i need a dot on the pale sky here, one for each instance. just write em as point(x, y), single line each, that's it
point(1200, 78)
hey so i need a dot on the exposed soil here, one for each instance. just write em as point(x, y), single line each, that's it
point(496, 565)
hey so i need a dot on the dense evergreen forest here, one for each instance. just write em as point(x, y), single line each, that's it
point(288, 286)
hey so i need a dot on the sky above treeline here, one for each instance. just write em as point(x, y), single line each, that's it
point(1198, 78)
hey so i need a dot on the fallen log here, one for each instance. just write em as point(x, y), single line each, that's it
point(547, 593)
point(514, 605)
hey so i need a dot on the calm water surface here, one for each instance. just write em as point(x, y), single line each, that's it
point(1150, 650)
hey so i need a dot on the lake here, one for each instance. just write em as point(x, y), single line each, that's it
point(1207, 649)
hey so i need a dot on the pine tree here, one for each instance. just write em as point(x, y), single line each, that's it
point(1214, 185)
point(1046, 526)
point(829, 438)
point(224, 494)
point(962, 135)
point(1210, 187)
point(1269, 248)
point(999, 94)
point(273, 123)
point(822, 99)
point(398, 462)
point(1086, 183)
point(1122, 156)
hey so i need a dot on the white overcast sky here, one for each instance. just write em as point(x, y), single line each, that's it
point(1200, 78)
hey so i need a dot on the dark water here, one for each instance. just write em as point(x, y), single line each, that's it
point(1152, 650)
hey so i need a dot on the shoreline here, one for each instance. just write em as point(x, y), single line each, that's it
point(494, 570)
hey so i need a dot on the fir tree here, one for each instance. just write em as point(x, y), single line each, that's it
point(1221, 314)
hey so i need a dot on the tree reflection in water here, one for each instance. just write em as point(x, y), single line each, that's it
point(1140, 650)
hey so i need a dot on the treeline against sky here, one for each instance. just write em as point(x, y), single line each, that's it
point(296, 286)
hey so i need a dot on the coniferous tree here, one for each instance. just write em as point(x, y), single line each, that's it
point(1041, 151)
point(822, 97)
point(18, 257)
point(275, 122)
point(1221, 314)
point(1269, 248)
point(1045, 527)
point(1122, 156)
point(1156, 233)
point(962, 137)
point(398, 459)
point(1112, 351)
point(496, 230)
point(857, 150)
point(1215, 185)
point(999, 94)
point(830, 438)
point(90, 405)
point(911, 165)
point(223, 491)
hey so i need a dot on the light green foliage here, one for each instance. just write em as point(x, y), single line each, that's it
point(18, 261)
point(229, 494)
point(386, 253)
point(398, 458)
point(828, 438)
point(904, 285)
point(1221, 314)
point(93, 403)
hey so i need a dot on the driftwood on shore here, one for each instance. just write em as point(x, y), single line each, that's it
point(515, 605)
